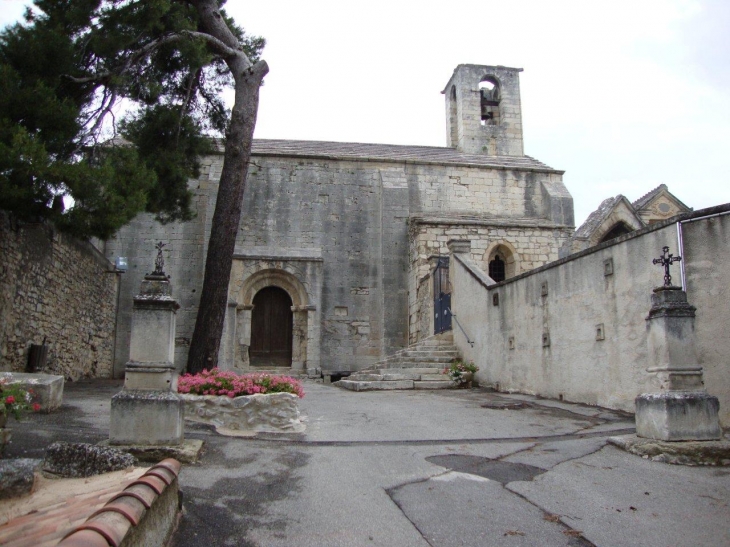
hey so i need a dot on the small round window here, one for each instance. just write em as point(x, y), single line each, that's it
point(664, 207)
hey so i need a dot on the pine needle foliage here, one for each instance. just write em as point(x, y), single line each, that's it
point(110, 103)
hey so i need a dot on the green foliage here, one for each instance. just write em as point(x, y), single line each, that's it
point(458, 369)
point(67, 72)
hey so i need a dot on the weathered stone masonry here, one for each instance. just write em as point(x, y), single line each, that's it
point(346, 230)
point(56, 288)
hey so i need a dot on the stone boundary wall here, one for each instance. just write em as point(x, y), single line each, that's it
point(55, 287)
point(575, 329)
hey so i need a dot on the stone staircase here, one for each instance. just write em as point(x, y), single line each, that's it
point(419, 366)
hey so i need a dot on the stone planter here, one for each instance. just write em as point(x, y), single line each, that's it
point(248, 414)
point(465, 380)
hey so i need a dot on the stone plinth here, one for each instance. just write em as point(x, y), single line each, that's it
point(153, 322)
point(148, 411)
point(678, 416)
point(146, 417)
point(681, 409)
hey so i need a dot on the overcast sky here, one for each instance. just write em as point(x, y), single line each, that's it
point(622, 95)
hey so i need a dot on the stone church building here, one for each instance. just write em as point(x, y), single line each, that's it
point(340, 255)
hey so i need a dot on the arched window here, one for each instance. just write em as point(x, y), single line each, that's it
point(616, 230)
point(490, 97)
point(500, 261)
point(497, 268)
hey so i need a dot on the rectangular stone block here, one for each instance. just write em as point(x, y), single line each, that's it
point(375, 386)
point(146, 418)
point(47, 389)
point(678, 416)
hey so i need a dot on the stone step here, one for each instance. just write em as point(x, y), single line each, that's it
point(389, 375)
point(434, 385)
point(365, 377)
point(373, 386)
point(411, 370)
point(449, 355)
point(434, 378)
point(430, 342)
point(426, 358)
point(355, 385)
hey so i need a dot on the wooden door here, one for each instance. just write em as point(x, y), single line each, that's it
point(271, 328)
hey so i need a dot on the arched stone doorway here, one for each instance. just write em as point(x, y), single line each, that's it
point(271, 328)
point(264, 291)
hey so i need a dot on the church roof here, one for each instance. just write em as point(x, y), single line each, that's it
point(391, 152)
point(596, 218)
point(646, 198)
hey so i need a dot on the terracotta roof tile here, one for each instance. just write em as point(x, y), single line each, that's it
point(85, 538)
point(171, 464)
point(155, 483)
point(132, 509)
point(89, 524)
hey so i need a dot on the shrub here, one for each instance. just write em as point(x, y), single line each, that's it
point(14, 400)
point(459, 368)
point(230, 384)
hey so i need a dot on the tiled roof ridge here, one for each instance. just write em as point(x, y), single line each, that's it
point(643, 200)
point(391, 152)
point(111, 524)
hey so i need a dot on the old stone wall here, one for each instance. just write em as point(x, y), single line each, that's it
point(186, 245)
point(576, 328)
point(353, 215)
point(340, 226)
point(58, 289)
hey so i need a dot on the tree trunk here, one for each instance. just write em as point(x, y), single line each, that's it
point(206, 338)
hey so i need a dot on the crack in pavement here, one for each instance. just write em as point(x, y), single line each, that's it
point(284, 439)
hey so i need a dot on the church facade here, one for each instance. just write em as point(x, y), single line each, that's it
point(340, 254)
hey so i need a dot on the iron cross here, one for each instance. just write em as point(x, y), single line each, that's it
point(666, 261)
point(159, 261)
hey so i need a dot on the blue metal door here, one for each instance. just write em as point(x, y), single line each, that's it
point(441, 296)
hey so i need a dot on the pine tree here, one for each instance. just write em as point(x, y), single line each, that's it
point(64, 76)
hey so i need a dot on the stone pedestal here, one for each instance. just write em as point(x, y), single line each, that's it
point(681, 409)
point(148, 411)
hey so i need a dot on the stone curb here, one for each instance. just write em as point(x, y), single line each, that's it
point(692, 453)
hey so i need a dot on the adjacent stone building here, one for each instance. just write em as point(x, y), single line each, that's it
point(617, 216)
point(339, 242)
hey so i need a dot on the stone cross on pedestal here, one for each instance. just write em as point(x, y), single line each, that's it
point(148, 411)
point(666, 261)
point(680, 409)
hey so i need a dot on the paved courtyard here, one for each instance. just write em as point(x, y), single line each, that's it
point(418, 468)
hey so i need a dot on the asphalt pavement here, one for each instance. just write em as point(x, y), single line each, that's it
point(422, 468)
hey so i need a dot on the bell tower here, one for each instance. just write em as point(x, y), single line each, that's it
point(483, 110)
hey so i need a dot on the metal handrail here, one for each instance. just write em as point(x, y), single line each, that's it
point(453, 315)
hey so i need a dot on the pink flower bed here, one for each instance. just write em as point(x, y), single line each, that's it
point(230, 384)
